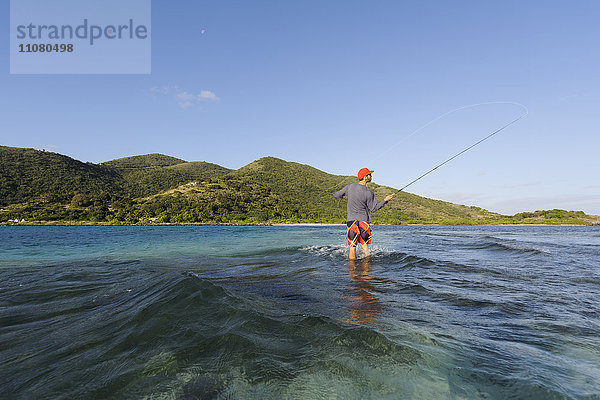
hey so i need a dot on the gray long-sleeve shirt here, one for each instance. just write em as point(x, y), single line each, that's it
point(361, 202)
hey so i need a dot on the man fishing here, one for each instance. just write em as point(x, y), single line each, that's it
point(361, 203)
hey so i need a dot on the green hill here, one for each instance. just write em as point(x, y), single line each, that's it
point(43, 186)
point(28, 173)
point(144, 161)
point(274, 190)
point(142, 182)
point(270, 189)
point(149, 174)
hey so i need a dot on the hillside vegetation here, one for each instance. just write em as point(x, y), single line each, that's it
point(41, 186)
point(153, 173)
point(26, 174)
point(145, 161)
point(142, 182)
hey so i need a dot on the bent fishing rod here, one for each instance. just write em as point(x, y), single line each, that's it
point(464, 151)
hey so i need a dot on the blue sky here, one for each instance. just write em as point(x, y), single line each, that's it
point(340, 85)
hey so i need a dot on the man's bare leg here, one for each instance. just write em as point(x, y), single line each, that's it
point(352, 253)
point(365, 250)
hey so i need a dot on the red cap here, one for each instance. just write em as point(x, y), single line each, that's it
point(364, 172)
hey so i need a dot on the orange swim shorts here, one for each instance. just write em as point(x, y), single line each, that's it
point(358, 232)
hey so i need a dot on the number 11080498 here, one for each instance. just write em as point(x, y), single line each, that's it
point(45, 48)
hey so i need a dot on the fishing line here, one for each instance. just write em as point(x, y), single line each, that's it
point(526, 112)
point(470, 147)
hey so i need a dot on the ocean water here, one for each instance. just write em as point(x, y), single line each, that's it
point(280, 313)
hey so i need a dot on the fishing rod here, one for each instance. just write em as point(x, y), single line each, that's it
point(467, 149)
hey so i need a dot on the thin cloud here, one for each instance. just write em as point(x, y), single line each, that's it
point(567, 97)
point(183, 98)
point(208, 95)
point(523, 185)
point(185, 104)
point(164, 90)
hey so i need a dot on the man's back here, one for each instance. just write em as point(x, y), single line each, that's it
point(361, 202)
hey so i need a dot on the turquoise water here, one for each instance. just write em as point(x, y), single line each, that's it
point(279, 312)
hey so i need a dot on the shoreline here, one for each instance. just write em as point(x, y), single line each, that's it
point(276, 224)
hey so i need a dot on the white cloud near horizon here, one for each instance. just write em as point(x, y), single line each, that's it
point(184, 98)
